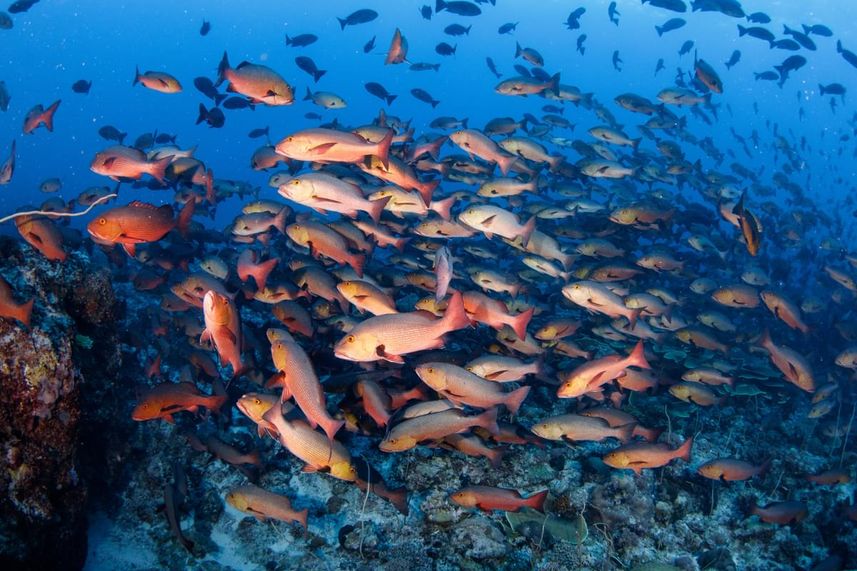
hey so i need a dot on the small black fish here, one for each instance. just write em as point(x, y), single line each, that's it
point(766, 76)
point(659, 66)
point(790, 45)
point(380, 92)
point(421, 66)
point(235, 102)
point(424, 96)
point(456, 30)
point(81, 86)
point(733, 59)
point(492, 67)
point(425, 11)
point(445, 49)
point(674, 5)
point(21, 6)
point(507, 28)
point(818, 30)
point(831, 89)
point(5, 21)
point(801, 38)
point(308, 65)
point(301, 40)
point(313, 116)
point(759, 18)
point(369, 46)
point(256, 133)
point(670, 25)
point(573, 20)
point(164, 138)
point(145, 141)
point(458, 7)
point(205, 28)
point(359, 17)
point(580, 47)
point(613, 13)
point(207, 88)
point(522, 70)
point(214, 116)
point(111, 133)
point(617, 60)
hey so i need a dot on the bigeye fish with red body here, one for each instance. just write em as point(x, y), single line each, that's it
point(260, 84)
point(138, 223)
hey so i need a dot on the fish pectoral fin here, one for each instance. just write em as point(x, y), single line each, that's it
point(321, 149)
point(228, 334)
point(271, 93)
point(309, 469)
point(593, 303)
point(496, 374)
point(384, 355)
point(130, 249)
point(488, 221)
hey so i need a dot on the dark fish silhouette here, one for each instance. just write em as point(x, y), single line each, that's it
point(81, 86)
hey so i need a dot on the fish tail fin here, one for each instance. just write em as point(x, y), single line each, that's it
point(158, 168)
point(136, 75)
point(49, 115)
point(264, 270)
point(527, 231)
point(318, 74)
point(495, 456)
point(209, 188)
point(301, 517)
point(839, 49)
point(280, 220)
point(443, 207)
point(517, 49)
point(434, 103)
point(203, 113)
point(505, 162)
point(222, 68)
point(537, 500)
point(378, 207)
point(455, 316)
point(514, 399)
point(331, 427)
point(660, 30)
point(434, 148)
point(383, 150)
point(626, 432)
point(218, 98)
point(488, 420)
point(742, 31)
point(519, 322)
point(821, 89)
point(357, 261)
point(25, 312)
point(464, 121)
point(764, 340)
point(426, 190)
point(637, 358)
point(635, 315)
point(342, 23)
point(553, 84)
point(400, 244)
point(308, 95)
point(185, 216)
point(215, 402)
point(439, 5)
point(683, 451)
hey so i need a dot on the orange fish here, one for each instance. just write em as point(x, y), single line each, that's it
point(398, 51)
point(299, 381)
point(12, 310)
point(248, 265)
point(258, 83)
point(157, 81)
point(38, 115)
point(791, 364)
point(223, 329)
point(495, 314)
point(435, 426)
point(488, 499)
point(731, 469)
point(43, 235)
point(118, 162)
point(166, 399)
point(332, 146)
point(781, 512)
point(591, 376)
point(830, 477)
point(460, 386)
point(640, 456)
point(137, 223)
point(264, 505)
point(388, 337)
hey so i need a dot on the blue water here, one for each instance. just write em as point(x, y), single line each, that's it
point(56, 43)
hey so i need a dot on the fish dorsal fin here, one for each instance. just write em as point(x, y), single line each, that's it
point(141, 204)
point(243, 64)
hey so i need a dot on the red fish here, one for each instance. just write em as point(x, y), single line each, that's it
point(38, 116)
point(12, 310)
point(166, 399)
point(488, 499)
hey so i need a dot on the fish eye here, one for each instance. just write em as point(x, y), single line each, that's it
point(350, 339)
point(295, 182)
point(257, 401)
point(102, 221)
point(430, 370)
